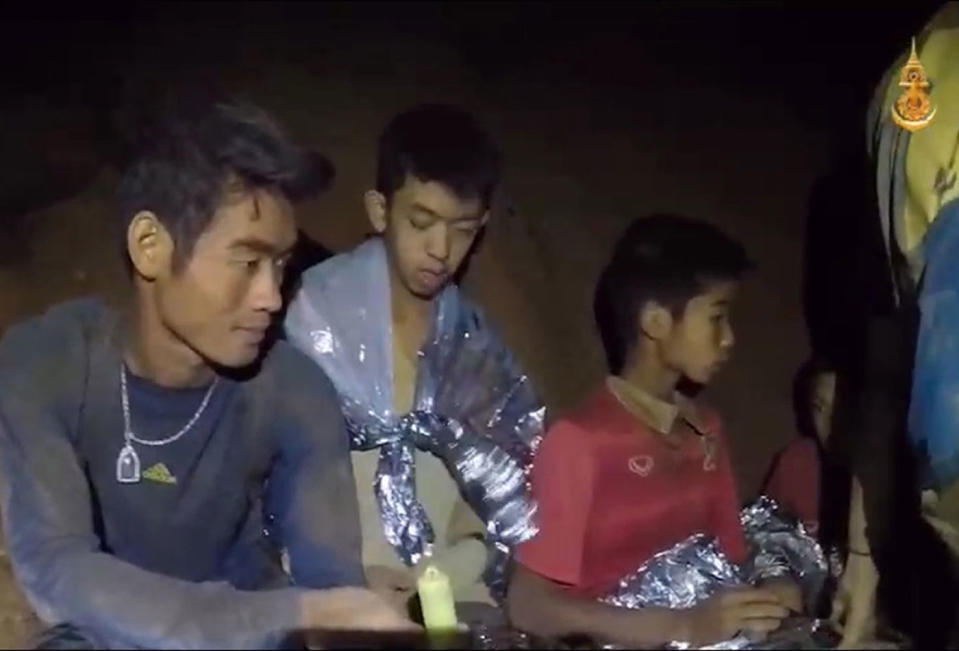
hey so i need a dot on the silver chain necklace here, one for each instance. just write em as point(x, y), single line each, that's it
point(128, 462)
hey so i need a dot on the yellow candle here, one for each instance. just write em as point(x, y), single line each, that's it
point(436, 600)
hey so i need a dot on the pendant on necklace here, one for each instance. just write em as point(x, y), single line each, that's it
point(128, 465)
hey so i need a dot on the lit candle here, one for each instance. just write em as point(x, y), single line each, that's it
point(436, 600)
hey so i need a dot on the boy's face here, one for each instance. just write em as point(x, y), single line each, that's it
point(822, 396)
point(220, 302)
point(428, 231)
point(701, 341)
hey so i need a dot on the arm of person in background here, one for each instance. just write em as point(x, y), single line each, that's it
point(540, 600)
point(854, 607)
point(57, 556)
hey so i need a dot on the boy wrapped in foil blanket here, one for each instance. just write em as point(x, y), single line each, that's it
point(472, 408)
point(695, 569)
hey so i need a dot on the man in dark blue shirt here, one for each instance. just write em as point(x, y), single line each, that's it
point(158, 457)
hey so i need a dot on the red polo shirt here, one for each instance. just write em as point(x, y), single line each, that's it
point(794, 481)
point(612, 493)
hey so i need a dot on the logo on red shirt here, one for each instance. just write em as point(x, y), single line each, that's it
point(641, 465)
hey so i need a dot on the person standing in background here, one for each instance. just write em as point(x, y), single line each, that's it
point(903, 540)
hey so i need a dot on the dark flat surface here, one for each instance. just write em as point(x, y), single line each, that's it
point(371, 640)
point(478, 637)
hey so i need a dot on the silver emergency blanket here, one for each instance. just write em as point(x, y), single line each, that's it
point(472, 407)
point(696, 569)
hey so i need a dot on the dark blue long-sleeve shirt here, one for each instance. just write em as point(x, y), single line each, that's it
point(182, 558)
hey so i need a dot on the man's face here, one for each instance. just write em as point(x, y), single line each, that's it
point(429, 231)
point(221, 301)
point(702, 340)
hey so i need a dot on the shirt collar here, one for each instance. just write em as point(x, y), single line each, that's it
point(658, 414)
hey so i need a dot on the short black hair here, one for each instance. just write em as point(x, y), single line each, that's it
point(664, 258)
point(442, 143)
point(191, 147)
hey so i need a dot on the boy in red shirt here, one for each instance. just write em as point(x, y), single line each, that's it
point(796, 476)
point(639, 467)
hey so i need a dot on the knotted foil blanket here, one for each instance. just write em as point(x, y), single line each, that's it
point(696, 569)
point(473, 408)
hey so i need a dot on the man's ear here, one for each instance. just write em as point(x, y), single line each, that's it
point(655, 320)
point(149, 245)
point(375, 203)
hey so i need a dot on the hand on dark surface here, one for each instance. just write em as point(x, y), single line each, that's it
point(355, 609)
point(752, 611)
